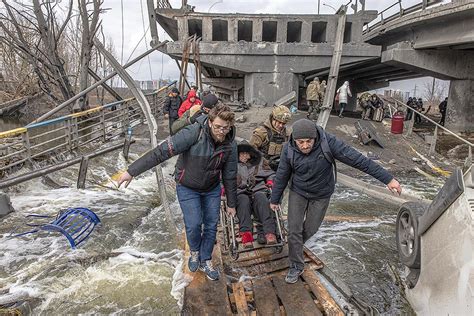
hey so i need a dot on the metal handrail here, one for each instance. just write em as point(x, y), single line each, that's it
point(436, 124)
point(402, 12)
point(69, 132)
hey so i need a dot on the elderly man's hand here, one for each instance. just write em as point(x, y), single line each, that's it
point(394, 186)
point(275, 207)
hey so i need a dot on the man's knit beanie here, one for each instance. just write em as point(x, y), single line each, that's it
point(175, 90)
point(209, 101)
point(304, 128)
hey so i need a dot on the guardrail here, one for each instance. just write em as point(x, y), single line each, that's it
point(433, 138)
point(43, 144)
point(381, 20)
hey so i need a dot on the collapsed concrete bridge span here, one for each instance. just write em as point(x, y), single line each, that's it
point(262, 57)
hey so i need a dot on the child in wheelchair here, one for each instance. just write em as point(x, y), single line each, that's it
point(254, 181)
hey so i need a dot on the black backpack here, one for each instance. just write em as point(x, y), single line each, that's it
point(324, 147)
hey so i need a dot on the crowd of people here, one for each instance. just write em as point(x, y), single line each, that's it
point(253, 175)
point(372, 105)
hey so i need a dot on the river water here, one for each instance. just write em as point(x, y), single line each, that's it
point(132, 263)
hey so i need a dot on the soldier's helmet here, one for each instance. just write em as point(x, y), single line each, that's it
point(281, 113)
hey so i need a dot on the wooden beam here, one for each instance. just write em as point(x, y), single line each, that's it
point(240, 299)
point(330, 306)
point(334, 69)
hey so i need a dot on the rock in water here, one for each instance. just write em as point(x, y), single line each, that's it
point(5, 205)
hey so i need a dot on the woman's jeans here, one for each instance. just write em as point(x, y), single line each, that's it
point(201, 215)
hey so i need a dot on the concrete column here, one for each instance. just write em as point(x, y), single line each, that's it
point(232, 29)
point(257, 28)
point(460, 111)
point(306, 27)
point(266, 88)
point(206, 29)
point(182, 29)
point(282, 28)
point(236, 96)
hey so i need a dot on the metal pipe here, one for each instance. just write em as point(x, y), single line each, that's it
point(436, 124)
point(45, 171)
point(95, 85)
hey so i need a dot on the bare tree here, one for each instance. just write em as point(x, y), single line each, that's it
point(90, 25)
point(34, 33)
point(434, 92)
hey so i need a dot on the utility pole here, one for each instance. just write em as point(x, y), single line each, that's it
point(319, 2)
point(334, 70)
point(414, 91)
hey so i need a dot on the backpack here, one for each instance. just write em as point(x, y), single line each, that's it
point(325, 149)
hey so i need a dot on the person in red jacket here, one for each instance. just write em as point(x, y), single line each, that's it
point(190, 101)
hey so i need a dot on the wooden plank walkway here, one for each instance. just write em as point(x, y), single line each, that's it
point(266, 293)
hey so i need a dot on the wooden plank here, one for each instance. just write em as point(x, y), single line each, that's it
point(295, 298)
point(313, 257)
point(269, 267)
point(261, 259)
point(266, 301)
point(203, 296)
point(240, 299)
point(330, 306)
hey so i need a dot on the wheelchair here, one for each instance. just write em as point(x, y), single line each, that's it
point(230, 231)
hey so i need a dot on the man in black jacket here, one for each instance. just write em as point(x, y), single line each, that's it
point(442, 109)
point(171, 106)
point(207, 152)
point(306, 163)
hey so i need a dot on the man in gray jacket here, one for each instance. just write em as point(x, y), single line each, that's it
point(307, 164)
point(207, 152)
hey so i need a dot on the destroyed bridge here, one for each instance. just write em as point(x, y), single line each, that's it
point(261, 57)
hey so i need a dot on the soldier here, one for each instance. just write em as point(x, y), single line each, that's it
point(313, 98)
point(364, 103)
point(269, 137)
point(322, 91)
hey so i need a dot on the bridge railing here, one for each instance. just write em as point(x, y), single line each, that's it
point(389, 14)
point(42, 144)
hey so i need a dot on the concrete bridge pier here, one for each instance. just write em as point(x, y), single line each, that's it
point(262, 87)
point(460, 112)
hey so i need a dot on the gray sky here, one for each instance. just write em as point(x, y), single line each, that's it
point(161, 66)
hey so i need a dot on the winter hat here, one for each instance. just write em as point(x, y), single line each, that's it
point(304, 128)
point(175, 90)
point(209, 101)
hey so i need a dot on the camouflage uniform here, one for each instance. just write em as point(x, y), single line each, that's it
point(313, 98)
point(268, 140)
point(364, 103)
